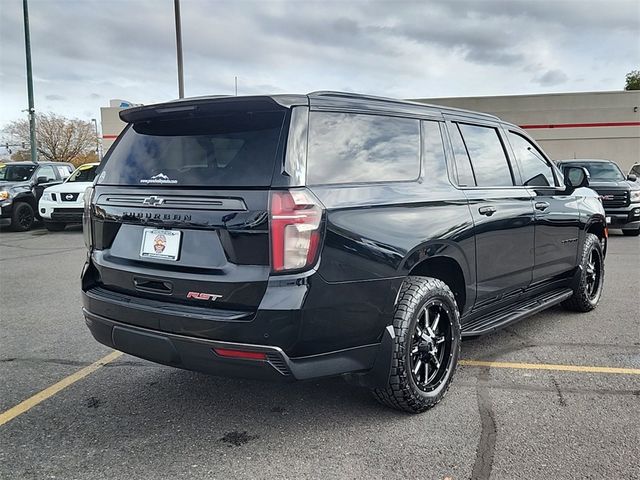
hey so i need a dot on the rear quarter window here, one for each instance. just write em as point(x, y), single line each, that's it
point(358, 148)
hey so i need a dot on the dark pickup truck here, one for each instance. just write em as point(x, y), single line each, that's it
point(620, 194)
point(21, 186)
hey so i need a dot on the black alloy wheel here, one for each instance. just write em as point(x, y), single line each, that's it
point(430, 350)
point(426, 346)
point(590, 280)
point(22, 218)
point(593, 274)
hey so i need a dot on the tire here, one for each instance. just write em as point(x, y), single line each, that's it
point(22, 217)
point(416, 392)
point(587, 293)
point(54, 226)
point(631, 233)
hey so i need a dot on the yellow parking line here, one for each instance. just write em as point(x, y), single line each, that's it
point(547, 366)
point(31, 402)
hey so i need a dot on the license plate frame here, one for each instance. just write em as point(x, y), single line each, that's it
point(161, 244)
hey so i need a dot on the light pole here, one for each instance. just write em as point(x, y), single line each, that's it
point(176, 7)
point(32, 110)
point(95, 124)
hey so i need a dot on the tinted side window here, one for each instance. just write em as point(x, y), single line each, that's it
point(487, 155)
point(352, 148)
point(46, 171)
point(534, 168)
point(463, 164)
point(435, 167)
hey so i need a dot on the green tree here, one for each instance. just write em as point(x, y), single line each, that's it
point(633, 80)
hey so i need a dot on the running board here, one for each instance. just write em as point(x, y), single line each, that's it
point(502, 318)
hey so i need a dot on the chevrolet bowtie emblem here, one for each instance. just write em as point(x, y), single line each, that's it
point(153, 201)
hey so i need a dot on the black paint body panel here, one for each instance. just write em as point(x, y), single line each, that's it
point(373, 236)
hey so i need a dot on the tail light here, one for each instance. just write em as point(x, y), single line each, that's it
point(295, 229)
point(86, 218)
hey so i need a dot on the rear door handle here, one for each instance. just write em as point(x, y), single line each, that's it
point(488, 211)
point(542, 206)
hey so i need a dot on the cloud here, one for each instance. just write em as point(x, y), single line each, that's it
point(85, 54)
point(551, 78)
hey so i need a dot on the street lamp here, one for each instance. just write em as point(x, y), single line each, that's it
point(95, 124)
point(176, 7)
point(32, 110)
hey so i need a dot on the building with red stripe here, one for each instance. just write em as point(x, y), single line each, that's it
point(570, 125)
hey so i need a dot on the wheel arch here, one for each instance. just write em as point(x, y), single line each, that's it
point(598, 227)
point(27, 198)
point(452, 272)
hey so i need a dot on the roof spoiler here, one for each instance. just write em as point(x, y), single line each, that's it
point(200, 107)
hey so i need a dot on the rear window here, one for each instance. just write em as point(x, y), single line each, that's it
point(355, 148)
point(235, 149)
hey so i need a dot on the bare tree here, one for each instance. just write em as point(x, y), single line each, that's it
point(60, 139)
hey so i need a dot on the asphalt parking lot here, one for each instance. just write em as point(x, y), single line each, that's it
point(130, 419)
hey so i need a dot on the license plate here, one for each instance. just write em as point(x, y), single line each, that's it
point(608, 219)
point(161, 244)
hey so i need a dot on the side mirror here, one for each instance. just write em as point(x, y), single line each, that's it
point(40, 180)
point(575, 177)
point(631, 177)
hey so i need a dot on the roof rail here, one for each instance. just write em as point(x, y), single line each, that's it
point(330, 93)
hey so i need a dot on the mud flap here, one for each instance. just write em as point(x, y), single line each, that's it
point(378, 376)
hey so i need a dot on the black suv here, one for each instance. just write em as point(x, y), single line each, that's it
point(620, 194)
point(21, 186)
point(291, 237)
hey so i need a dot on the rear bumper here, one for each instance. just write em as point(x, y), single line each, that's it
point(368, 364)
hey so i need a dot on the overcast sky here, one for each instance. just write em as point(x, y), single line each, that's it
point(86, 52)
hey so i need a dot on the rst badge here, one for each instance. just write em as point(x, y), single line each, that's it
point(203, 296)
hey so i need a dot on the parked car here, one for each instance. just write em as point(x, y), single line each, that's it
point(292, 237)
point(620, 194)
point(62, 204)
point(21, 186)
